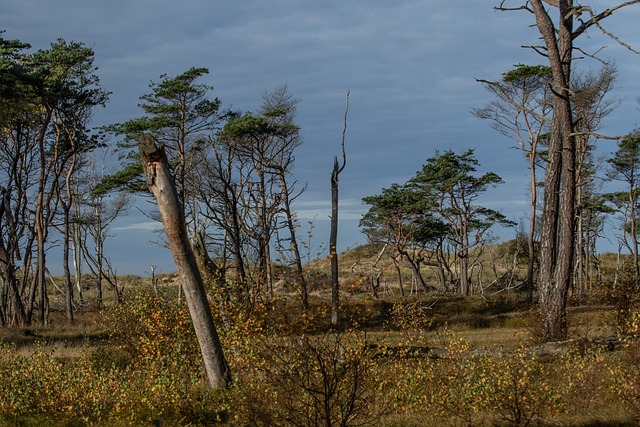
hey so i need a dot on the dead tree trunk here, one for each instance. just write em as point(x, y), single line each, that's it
point(162, 186)
point(333, 237)
point(208, 268)
point(333, 251)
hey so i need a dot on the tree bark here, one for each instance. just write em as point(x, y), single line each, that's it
point(291, 225)
point(532, 229)
point(65, 263)
point(162, 186)
point(558, 234)
point(333, 252)
point(415, 266)
point(333, 237)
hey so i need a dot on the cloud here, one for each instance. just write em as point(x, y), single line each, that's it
point(320, 210)
point(139, 226)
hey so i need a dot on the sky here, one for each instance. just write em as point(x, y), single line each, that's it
point(410, 67)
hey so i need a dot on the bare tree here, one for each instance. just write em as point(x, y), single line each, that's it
point(95, 222)
point(162, 186)
point(223, 180)
point(96, 213)
point(521, 112)
point(590, 106)
point(333, 237)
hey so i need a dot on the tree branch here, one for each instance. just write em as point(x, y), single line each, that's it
point(600, 136)
point(344, 132)
point(541, 50)
point(595, 21)
point(506, 98)
point(502, 8)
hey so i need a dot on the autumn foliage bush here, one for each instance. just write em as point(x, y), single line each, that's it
point(151, 373)
point(289, 369)
point(468, 386)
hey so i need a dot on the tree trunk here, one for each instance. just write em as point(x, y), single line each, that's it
point(41, 283)
point(396, 264)
point(333, 238)
point(265, 275)
point(100, 267)
point(65, 262)
point(532, 229)
point(557, 236)
point(12, 307)
point(463, 262)
point(633, 224)
point(66, 209)
point(162, 186)
point(77, 243)
point(333, 252)
point(291, 225)
point(77, 263)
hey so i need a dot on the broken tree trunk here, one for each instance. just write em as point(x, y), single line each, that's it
point(162, 186)
point(333, 235)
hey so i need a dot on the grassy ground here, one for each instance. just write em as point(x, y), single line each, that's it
point(418, 360)
point(424, 363)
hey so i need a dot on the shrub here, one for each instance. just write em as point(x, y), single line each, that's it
point(520, 389)
point(411, 316)
point(154, 374)
point(311, 381)
point(626, 386)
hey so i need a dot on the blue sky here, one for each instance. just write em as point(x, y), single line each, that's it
point(410, 66)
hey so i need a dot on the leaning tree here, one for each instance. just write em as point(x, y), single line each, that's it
point(162, 185)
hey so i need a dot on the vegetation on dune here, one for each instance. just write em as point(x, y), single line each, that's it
point(422, 359)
